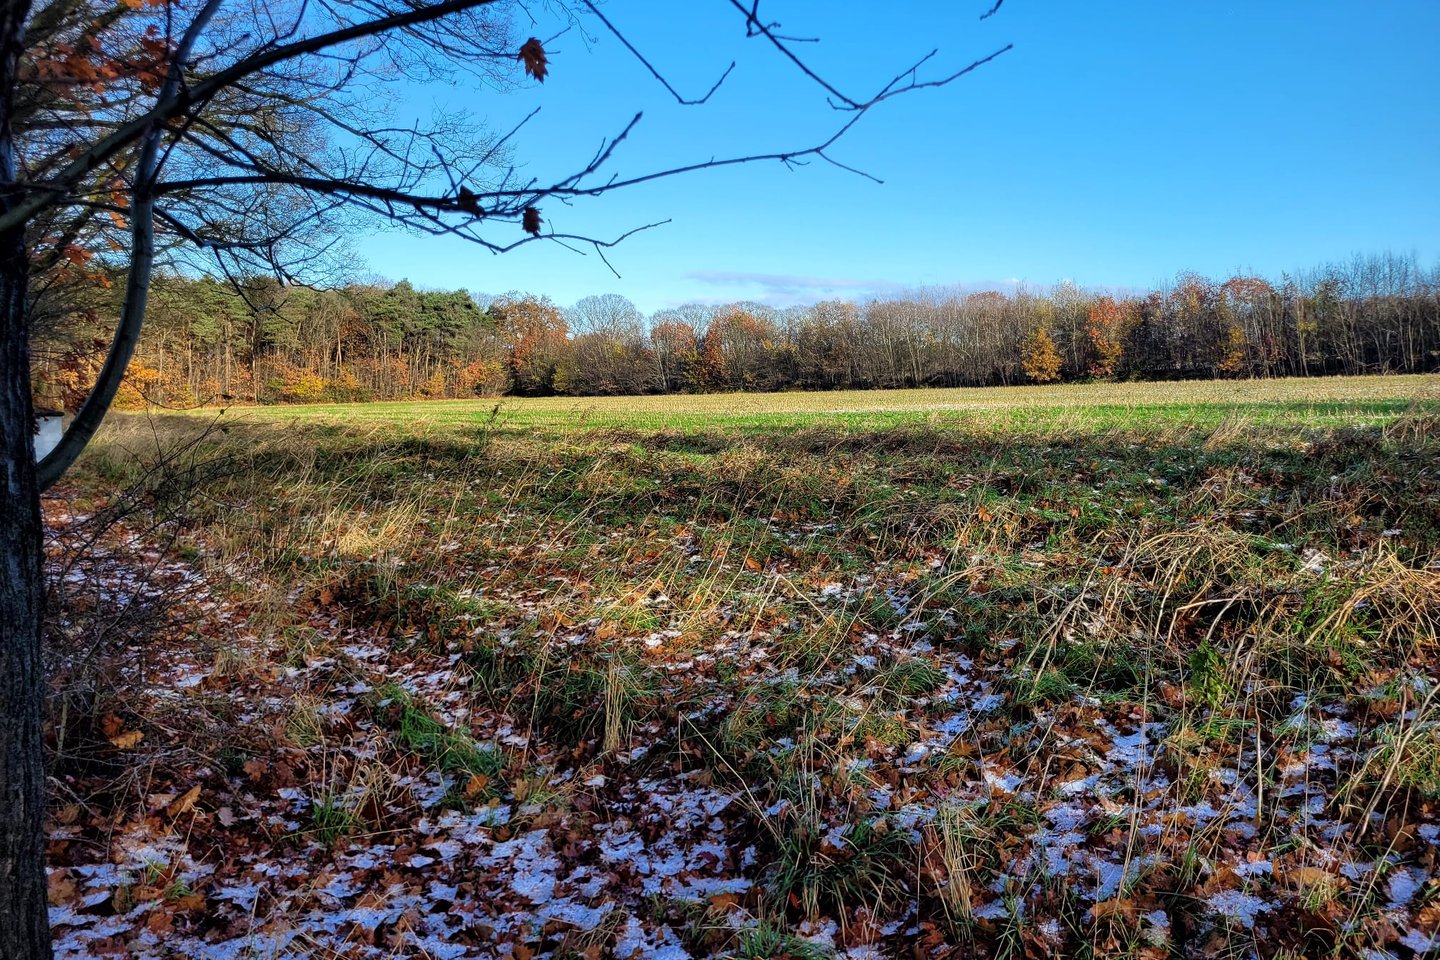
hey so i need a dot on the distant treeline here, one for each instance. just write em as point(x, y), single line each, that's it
point(208, 341)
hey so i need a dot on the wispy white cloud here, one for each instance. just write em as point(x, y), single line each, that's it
point(717, 287)
point(786, 289)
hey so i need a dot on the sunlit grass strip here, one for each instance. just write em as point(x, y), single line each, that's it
point(1327, 401)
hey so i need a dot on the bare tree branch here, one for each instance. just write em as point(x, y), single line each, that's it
point(177, 101)
point(653, 72)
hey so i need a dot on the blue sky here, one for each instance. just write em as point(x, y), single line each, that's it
point(1117, 144)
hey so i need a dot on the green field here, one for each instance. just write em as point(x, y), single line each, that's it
point(1314, 402)
point(1131, 670)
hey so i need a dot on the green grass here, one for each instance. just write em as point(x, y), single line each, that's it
point(912, 678)
point(767, 941)
point(862, 866)
point(448, 749)
point(333, 818)
point(1317, 402)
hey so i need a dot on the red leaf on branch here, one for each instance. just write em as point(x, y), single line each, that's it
point(532, 54)
point(531, 221)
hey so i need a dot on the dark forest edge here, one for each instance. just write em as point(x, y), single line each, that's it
point(256, 341)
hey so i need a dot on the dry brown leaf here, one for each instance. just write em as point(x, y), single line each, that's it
point(1308, 876)
point(531, 221)
point(146, 892)
point(128, 741)
point(721, 902)
point(1121, 906)
point(185, 803)
point(61, 887)
point(532, 54)
point(190, 903)
point(468, 201)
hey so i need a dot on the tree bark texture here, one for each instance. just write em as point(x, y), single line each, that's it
point(24, 918)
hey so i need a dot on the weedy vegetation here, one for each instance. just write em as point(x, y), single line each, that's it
point(1104, 670)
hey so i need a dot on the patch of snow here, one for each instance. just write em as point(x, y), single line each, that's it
point(1402, 887)
point(1420, 941)
point(634, 943)
point(1239, 907)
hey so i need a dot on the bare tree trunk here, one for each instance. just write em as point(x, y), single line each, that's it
point(24, 921)
point(24, 917)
